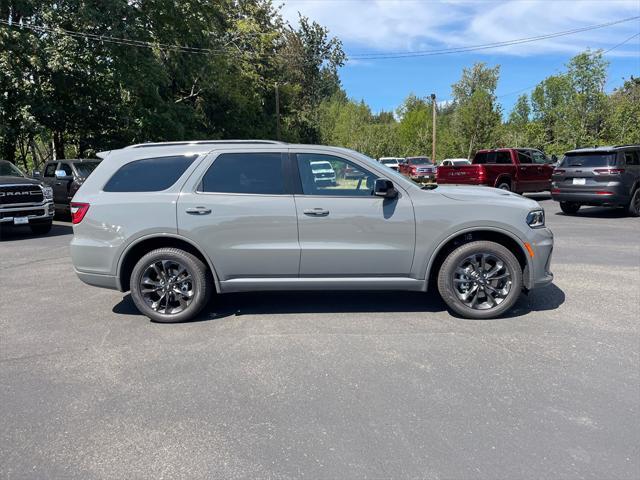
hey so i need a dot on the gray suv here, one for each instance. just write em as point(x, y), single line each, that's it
point(600, 176)
point(174, 222)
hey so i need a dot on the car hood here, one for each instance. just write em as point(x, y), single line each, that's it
point(485, 194)
point(18, 181)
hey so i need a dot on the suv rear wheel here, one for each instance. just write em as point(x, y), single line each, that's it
point(170, 285)
point(570, 208)
point(480, 280)
point(504, 185)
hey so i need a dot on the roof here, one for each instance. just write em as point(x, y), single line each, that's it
point(204, 142)
point(75, 160)
point(606, 148)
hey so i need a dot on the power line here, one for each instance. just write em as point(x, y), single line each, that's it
point(622, 43)
point(505, 43)
point(362, 56)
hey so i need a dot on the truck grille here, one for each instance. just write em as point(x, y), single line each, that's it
point(13, 194)
point(22, 213)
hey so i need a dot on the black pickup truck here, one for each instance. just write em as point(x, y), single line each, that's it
point(24, 201)
point(65, 178)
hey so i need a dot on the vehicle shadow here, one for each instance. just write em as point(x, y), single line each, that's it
point(13, 233)
point(598, 212)
point(275, 303)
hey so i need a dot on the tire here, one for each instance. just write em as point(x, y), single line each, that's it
point(452, 286)
point(504, 185)
point(41, 228)
point(192, 287)
point(570, 208)
point(634, 204)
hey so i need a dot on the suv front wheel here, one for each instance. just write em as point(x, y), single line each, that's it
point(170, 285)
point(480, 280)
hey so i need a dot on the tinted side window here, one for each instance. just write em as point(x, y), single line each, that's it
point(149, 174)
point(539, 157)
point(67, 169)
point(503, 158)
point(524, 157)
point(257, 173)
point(631, 158)
point(330, 175)
point(480, 158)
point(50, 170)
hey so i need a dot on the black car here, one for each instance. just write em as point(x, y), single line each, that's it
point(65, 178)
point(24, 201)
point(599, 176)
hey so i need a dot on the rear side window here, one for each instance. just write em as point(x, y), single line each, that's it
point(149, 174)
point(503, 158)
point(631, 158)
point(249, 173)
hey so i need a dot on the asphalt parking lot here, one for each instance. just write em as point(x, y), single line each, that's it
point(326, 385)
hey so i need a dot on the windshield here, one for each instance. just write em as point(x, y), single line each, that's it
point(588, 160)
point(389, 162)
point(419, 161)
point(8, 169)
point(316, 166)
point(85, 169)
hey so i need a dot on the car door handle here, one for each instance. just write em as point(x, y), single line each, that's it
point(316, 212)
point(198, 211)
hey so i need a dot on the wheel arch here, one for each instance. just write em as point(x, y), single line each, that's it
point(501, 178)
point(144, 245)
point(502, 237)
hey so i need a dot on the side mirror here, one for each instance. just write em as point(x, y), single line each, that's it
point(36, 174)
point(384, 188)
point(61, 174)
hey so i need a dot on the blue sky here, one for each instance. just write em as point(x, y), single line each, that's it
point(381, 26)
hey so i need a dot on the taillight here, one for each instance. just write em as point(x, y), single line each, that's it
point(558, 171)
point(555, 190)
point(608, 171)
point(604, 193)
point(78, 211)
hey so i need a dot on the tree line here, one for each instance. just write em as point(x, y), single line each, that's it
point(564, 111)
point(78, 76)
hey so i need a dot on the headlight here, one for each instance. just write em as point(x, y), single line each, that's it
point(48, 193)
point(535, 219)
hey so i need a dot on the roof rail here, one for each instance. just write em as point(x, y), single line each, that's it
point(628, 145)
point(205, 142)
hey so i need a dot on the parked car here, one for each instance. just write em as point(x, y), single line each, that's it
point(420, 169)
point(392, 162)
point(515, 169)
point(174, 222)
point(450, 162)
point(601, 176)
point(24, 201)
point(65, 178)
point(323, 173)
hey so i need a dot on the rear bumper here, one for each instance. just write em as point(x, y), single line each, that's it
point(591, 198)
point(104, 281)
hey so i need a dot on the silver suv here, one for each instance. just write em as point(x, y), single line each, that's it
point(174, 222)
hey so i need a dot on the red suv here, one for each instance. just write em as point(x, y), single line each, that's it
point(420, 169)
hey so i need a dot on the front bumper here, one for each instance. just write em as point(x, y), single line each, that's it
point(540, 274)
point(34, 213)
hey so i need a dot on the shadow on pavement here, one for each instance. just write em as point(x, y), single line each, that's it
point(13, 233)
point(599, 212)
point(266, 303)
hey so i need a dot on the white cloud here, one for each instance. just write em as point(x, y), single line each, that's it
point(401, 25)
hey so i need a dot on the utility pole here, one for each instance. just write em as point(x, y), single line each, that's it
point(277, 112)
point(433, 144)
